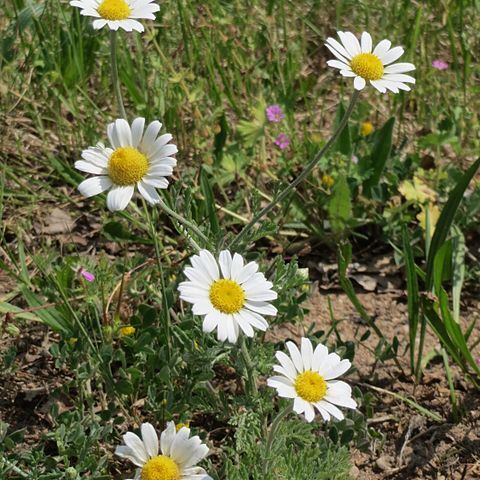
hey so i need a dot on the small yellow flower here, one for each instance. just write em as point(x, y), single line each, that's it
point(366, 128)
point(72, 341)
point(179, 426)
point(327, 181)
point(127, 331)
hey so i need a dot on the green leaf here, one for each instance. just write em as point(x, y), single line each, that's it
point(340, 205)
point(379, 156)
point(458, 268)
point(446, 219)
point(412, 294)
point(344, 142)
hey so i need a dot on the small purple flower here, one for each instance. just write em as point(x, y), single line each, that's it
point(89, 277)
point(275, 114)
point(440, 64)
point(478, 360)
point(354, 159)
point(282, 141)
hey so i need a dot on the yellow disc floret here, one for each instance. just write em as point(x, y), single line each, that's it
point(127, 166)
point(310, 386)
point(160, 468)
point(114, 9)
point(227, 296)
point(368, 66)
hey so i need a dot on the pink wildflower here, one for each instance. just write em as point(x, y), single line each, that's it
point(275, 114)
point(282, 141)
point(89, 277)
point(440, 64)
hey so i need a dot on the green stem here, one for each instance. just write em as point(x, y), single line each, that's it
point(115, 79)
point(186, 223)
point(271, 435)
point(249, 368)
point(283, 194)
point(13, 467)
point(158, 257)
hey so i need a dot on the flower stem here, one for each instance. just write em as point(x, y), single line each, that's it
point(186, 223)
point(249, 367)
point(283, 194)
point(158, 257)
point(271, 435)
point(115, 79)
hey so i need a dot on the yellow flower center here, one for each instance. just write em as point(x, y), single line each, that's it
point(160, 468)
point(114, 9)
point(310, 386)
point(127, 166)
point(227, 296)
point(368, 66)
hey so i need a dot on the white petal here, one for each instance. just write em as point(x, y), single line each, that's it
point(348, 73)
point(325, 415)
point(400, 68)
point(309, 412)
point(287, 364)
point(331, 409)
point(94, 186)
point(123, 132)
point(237, 266)
point(118, 197)
point(244, 324)
point(335, 368)
point(391, 55)
point(148, 192)
point(338, 49)
point(136, 445)
point(113, 136)
point(366, 42)
point(295, 356)
point(359, 83)
point(319, 356)
point(263, 308)
point(88, 167)
point(307, 353)
point(150, 135)
point(157, 149)
point(210, 322)
point(350, 42)
point(399, 77)
point(299, 405)
point(97, 24)
point(166, 439)
point(247, 272)
point(382, 48)
point(338, 64)
point(150, 439)
point(378, 85)
point(138, 126)
point(209, 264)
point(255, 320)
point(126, 452)
point(225, 261)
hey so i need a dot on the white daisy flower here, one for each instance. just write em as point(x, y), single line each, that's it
point(178, 457)
point(231, 295)
point(137, 158)
point(308, 377)
point(118, 13)
point(356, 59)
